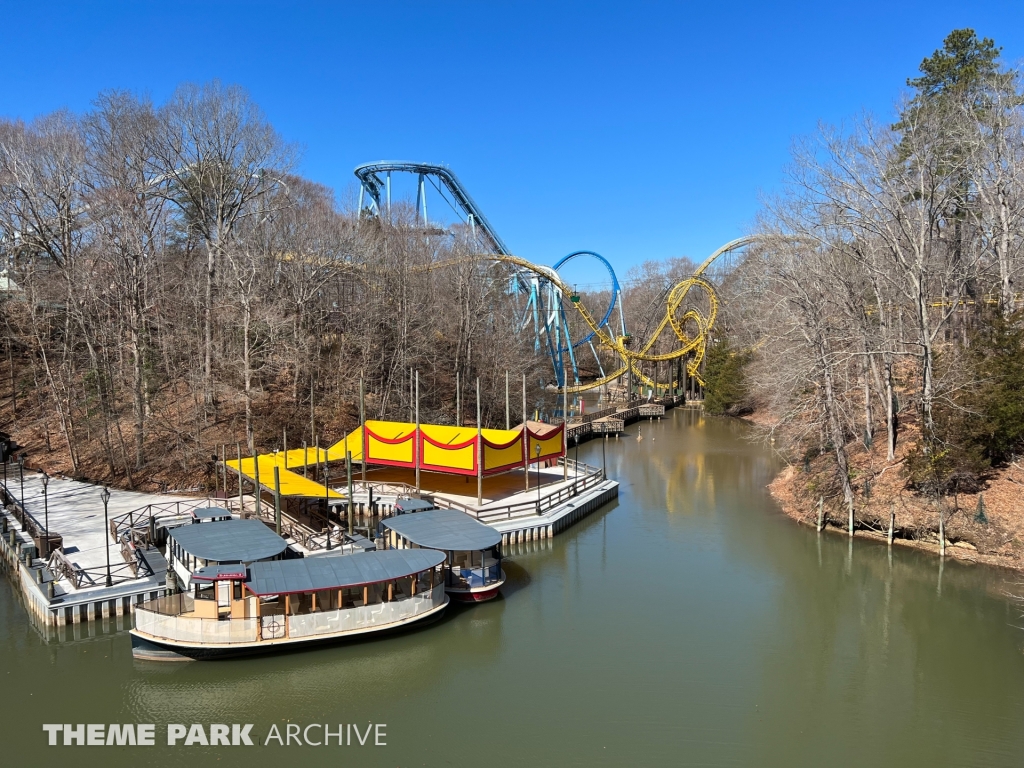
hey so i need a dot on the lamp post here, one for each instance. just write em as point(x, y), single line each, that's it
point(537, 452)
point(21, 477)
point(105, 495)
point(45, 480)
point(576, 437)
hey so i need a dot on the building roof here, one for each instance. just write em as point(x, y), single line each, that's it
point(444, 529)
point(229, 540)
point(312, 574)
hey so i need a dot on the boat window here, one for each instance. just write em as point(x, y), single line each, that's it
point(237, 590)
point(206, 592)
point(373, 594)
point(301, 602)
point(350, 596)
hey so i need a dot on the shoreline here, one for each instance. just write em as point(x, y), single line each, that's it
point(996, 541)
point(785, 491)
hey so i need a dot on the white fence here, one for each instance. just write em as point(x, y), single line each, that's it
point(193, 630)
point(365, 616)
point(189, 629)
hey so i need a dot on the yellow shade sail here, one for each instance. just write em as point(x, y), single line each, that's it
point(292, 483)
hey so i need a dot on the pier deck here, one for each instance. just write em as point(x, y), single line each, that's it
point(75, 511)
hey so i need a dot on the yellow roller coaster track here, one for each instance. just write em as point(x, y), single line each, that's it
point(695, 345)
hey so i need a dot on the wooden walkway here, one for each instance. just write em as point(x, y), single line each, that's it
point(613, 420)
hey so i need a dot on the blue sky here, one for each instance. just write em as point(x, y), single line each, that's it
point(638, 130)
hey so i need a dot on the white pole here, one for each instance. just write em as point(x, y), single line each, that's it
point(479, 450)
point(416, 435)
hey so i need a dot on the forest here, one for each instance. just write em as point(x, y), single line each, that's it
point(876, 325)
point(175, 286)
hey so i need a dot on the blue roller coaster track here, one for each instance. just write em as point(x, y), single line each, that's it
point(545, 307)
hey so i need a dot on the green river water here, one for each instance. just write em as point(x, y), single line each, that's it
point(690, 623)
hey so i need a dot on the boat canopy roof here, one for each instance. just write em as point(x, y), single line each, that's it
point(210, 513)
point(404, 506)
point(444, 529)
point(312, 574)
point(221, 541)
point(220, 573)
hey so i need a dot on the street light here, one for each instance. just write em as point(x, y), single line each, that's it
point(45, 480)
point(21, 476)
point(105, 495)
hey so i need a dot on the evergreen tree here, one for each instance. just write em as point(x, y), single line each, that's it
point(725, 387)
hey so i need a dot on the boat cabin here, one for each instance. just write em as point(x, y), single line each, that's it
point(221, 542)
point(232, 610)
point(472, 549)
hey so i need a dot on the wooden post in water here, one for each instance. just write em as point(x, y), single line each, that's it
point(362, 424)
point(277, 499)
point(416, 435)
point(479, 450)
point(892, 521)
point(821, 513)
point(851, 520)
point(942, 534)
point(351, 504)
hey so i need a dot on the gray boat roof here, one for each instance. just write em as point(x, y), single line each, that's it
point(413, 505)
point(445, 529)
point(217, 572)
point(205, 513)
point(229, 540)
point(311, 574)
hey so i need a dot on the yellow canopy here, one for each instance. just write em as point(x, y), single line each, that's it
point(292, 484)
point(452, 450)
point(353, 442)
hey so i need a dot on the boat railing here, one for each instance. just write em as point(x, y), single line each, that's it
point(159, 621)
point(365, 616)
point(167, 618)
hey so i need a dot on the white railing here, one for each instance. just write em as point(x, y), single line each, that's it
point(365, 616)
point(188, 629)
point(156, 619)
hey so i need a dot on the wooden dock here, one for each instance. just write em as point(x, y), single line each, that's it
point(613, 419)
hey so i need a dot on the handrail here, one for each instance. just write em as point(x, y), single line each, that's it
point(593, 477)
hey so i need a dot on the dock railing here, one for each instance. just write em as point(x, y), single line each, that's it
point(587, 477)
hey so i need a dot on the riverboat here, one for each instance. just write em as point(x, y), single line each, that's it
point(277, 605)
point(472, 550)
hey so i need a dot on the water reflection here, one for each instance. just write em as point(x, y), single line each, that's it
point(690, 623)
